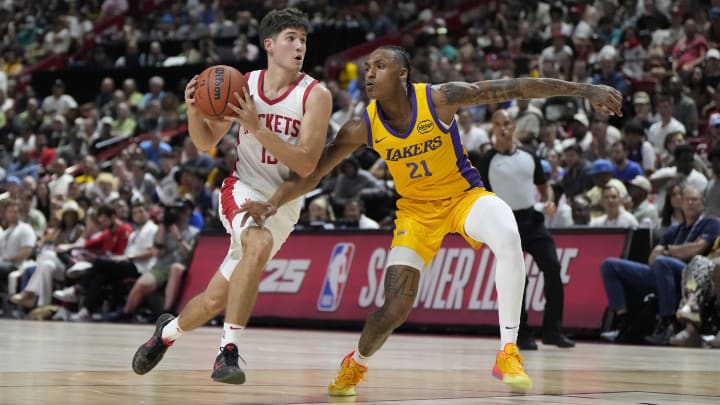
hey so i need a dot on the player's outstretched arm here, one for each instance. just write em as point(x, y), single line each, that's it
point(204, 133)
point(302, 157)
point(352, 135)
point(449, 97)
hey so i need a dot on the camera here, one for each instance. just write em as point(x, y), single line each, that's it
point(171, 213)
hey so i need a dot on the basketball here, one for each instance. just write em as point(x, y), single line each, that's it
point(216, 86)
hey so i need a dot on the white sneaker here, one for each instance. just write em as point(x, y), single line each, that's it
point(80, 316)
point(66, 295)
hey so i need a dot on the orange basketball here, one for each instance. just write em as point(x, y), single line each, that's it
point(216, 86)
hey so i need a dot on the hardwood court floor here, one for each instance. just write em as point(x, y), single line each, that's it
point(64, 363)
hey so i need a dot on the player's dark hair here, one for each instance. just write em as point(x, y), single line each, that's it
point(403, 58)
point(277, 21)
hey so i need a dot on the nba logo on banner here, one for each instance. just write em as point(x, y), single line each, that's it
point(336, 277)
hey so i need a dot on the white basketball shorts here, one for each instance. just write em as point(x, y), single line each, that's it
point(232, 195)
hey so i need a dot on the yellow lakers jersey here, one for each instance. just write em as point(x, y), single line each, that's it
point(427, 161)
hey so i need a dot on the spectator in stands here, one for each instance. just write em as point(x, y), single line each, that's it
point(59, 180)
point(689, 51)
point(167, 185)
point(667, 124)
point(109, 238)
point(351, 181)
point(609, 74)
point(577, 178)
point(684, 107)
point(678, 245)
point(597, 143)
point(529, 120)
point(354, 216)
point(191, 157)
point(104, 96)
point(124, 124)
point(105, 188)
point(558, 56)
point(143, 182)
point(639, 150)
point(221, 27)
point(58, 102)
point(57, 40)
point(31, 215)
point(43, 154)
point(376, 23)
point(652, 18)
point(154, 57)
point(602, 175)
point(51, 265)
point(683, 170)
point(33, 116)
point(614, 214)
point(319, 215)
point(471, 136)
point(156, 85)
point(172, 248)
point(24, 165)
point(135, 259)
point(193, 28)
point(712, 192)
point(642, 109)
point(625, 169)
point(644, 211)
point(132, 96)
point(17, 241)
point(154, 146)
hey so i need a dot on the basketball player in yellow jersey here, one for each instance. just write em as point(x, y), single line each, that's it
point(413, 129)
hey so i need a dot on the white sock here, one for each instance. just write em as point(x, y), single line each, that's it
point(172, 331)
point(360, 359)
point(231, 334)
point(491, 220)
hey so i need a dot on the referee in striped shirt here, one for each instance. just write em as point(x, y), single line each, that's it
point(514, 174)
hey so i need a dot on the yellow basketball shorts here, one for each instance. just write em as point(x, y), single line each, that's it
point(422, 225)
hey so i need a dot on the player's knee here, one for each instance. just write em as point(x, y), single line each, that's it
point(395, 312)
point(257, 243)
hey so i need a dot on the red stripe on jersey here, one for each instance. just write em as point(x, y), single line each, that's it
point(307, 93)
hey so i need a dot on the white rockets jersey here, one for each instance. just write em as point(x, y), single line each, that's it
point(282, 116)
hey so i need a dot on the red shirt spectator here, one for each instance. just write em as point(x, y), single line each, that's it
point(690, 51)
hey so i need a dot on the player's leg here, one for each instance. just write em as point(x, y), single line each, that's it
point(402, 278)
point(542, 248)
point(257, 246)
point(490, 220)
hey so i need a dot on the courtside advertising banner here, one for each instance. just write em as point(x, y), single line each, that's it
point(339, 276)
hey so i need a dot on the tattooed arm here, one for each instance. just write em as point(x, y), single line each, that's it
point(449, 97)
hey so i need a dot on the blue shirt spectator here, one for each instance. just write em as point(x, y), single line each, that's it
point(153, 147)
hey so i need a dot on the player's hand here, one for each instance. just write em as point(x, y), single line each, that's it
point(549, 208)
point(259, 211)
point(190, 88)
point(605, 99)
point(245, 112)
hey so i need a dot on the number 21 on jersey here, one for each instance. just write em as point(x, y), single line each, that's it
point(418, 170)
point(268, 158)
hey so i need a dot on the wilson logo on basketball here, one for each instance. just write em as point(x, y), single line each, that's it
point(219, 79)
point(425, 126)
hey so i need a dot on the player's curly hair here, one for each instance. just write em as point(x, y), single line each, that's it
point(276, 21)
point(403, 58)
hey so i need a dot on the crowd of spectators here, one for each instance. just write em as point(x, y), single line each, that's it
point(624, 171)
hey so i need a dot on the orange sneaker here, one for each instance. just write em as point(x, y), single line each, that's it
point(348, 377)
point(509, 368)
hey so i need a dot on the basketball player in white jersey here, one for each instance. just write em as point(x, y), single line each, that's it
point(283, 125)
